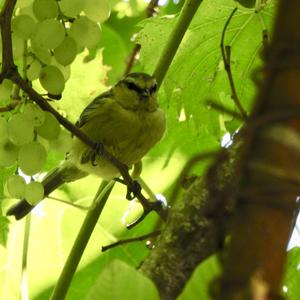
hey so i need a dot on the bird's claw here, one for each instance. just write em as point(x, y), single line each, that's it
point(133, 190)
point(98, 151)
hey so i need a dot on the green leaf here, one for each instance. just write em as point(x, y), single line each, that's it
point(4, 174)
point(84, 85)
point(4, 222)
point(197, 73)
point(114, 53)
point(198, 285)
point(292, 276)
point(247, 3)
point(120, 281)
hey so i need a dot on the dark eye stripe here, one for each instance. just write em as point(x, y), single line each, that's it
point(132, 86)
point(153, 88)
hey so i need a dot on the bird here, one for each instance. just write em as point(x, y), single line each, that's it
point(126, 120)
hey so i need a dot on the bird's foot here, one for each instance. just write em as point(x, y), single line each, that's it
point(133, 190)
point(98, 151)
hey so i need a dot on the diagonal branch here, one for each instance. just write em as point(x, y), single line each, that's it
point(150, 11)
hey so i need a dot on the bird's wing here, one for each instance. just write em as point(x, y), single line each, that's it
point(90, 109)
point(106, 122)
point(110, 123)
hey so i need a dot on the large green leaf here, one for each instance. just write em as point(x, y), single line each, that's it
point(120, 281)
point(197, 72)
point(114, 53)
point(201, 282)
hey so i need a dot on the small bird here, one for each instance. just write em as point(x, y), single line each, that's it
point(126, 120)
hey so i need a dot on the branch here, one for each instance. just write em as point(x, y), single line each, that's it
point(186, 15)
point(131, 240)
point(7, 52)
point(150, 11)
point(226, 53)
point(225, 110)
point(191, 234)
point(81, 241)
point(188, 166)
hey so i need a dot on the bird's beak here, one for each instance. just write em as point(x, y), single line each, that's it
point(145, 95)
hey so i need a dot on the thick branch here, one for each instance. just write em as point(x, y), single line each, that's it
point(192, 233)
point(5, 23)
point(269, 168)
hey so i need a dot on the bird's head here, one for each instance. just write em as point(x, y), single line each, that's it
point(136, 91)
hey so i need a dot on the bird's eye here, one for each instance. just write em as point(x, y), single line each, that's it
point(131, 86)
point(153, 88)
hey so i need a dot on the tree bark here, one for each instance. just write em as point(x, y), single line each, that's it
point(269, 168)
point(194, 231)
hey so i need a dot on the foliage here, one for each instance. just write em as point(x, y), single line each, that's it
point(197, 74)
point(290, 284)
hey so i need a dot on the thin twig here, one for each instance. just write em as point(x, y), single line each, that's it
point(131, 240)
point(265, 36)
point(270, 118)
point(150, 11)
point(223, 109)
point(69, 203)
point(24, 285)
point(132, 58)
point(156, 206)
point(226, 53)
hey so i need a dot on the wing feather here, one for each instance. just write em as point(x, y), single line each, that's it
point(90, 109)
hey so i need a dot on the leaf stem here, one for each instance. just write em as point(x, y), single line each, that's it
point(81, 241)
point(187, 13)
point(82, 207)
point(24, 287)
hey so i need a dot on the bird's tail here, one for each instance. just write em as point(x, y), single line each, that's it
point(52, 181)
